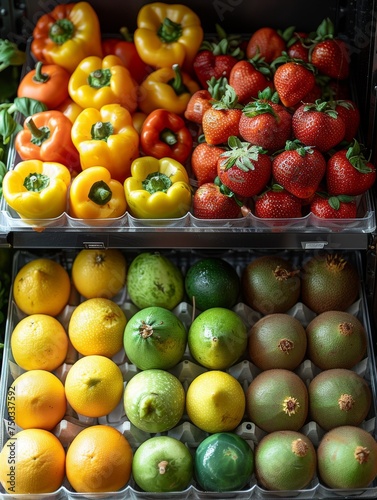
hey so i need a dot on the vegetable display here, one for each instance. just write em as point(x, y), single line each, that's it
point(264, 120)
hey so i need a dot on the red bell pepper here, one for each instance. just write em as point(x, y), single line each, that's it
point(164, 134)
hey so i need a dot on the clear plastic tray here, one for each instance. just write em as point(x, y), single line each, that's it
point(186, 371)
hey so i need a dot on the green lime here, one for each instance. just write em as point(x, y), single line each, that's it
point(212, 282)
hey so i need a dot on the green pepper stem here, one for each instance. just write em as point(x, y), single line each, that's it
point(169, 31)
point(61, 31)
point(100, 193)
point(177, 82)
point(101, 131)
point(36, 182)
point(99, 78)
point(40, 77)
point(38, 135)
point(156, 181)
point(168, 136)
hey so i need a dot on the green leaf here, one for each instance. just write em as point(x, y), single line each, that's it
point(8, 125)
point(27, 106)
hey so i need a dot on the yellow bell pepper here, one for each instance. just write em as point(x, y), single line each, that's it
point(97, 82)
point(168, 34)
point(157, 189)
point(167, 88)
point(66, 35)
point(95, 195)
point(36, 189)
point(108, 138)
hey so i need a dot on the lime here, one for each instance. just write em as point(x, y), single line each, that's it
point(212, 282)
point(217, 338)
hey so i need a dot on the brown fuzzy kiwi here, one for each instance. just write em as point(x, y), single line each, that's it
point(285, 460)
point(336, 339)
point(329, 282)
point(270, 284)
point(276, 400)
point(347, 458)
point(339, 397)
point(277, 341)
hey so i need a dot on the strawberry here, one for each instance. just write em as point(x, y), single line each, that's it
point(318, 125)
point(293, 81)
point(299, 169)
point(296, 47)
point(277, 203)
point(249, 77)
point(266, 123)
point(245, 168)
point(221, 121)
point(329, 54)
point(212, 200)
point(204, 162)
point(350, 114)
point(333, 207)
point(267, 43)
point(349, 172)
point(200, 100)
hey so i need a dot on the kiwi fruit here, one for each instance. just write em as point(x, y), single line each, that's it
point(347, 458)
point(285, 460)
point(336, 339)
point(270, 284)
point(277, 341)
point(329, 282)
point(339, 397)
point(277, 399)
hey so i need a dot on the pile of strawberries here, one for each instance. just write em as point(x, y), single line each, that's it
point(277, 128)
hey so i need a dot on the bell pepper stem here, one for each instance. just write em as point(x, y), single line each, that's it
point(168, 136)
point(169, 31)
point(101, 131)
point(100, 193)
point(36, 182)
point(156, 181)
point(40, 77)
point(99, 78)
point(38, 135)
point(61, 31)
point(177, 83)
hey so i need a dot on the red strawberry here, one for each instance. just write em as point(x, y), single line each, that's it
point(221, 121)
point(266, 123)
point(329, 54)
point(248, 78)
point(296, 47)
point(350, 114)
point(349, 172)
point(245, 169)
point(267, 43)
point(204, 162)
point(299, 169)
point(214, 201)
point(333, 207)
point(318, 125)
point(277, 203)
point(200, 100)
point(293, 81)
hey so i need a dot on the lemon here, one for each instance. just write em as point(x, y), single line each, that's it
point(215, 401)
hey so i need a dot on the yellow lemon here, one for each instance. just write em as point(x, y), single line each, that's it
point(99, 273)
point(42, 286)
point(39, 342)
point(94, 386)
point(215, 401)
point(96, 327)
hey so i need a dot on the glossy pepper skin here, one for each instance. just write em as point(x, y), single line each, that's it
point(106, 137)
point(36, 189)
point(66, 35)
point(95, 195)
point(47, 83)
point(46, 136)
point(97, 82)
point(168, 34)
point(167, 88)
point(164, 133)
point(157, 189)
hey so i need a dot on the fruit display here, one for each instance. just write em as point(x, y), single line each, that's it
point(159, 395)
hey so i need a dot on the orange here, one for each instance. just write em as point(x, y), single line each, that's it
point(42, 286)
point(39, 342)
point(32, 461)
point(215, 401)
point(96, 327)
point(94, 386)
point(36, 399)
point(99, 273)
point(99, 459)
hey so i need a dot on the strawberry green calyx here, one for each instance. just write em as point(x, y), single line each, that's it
point(217, 87)
point(228, 101)
point(226, 191)
point(357, 159)
point(324, 31)
point(285, 58)
point(336, 201)
point(262, 104)
point(240, 154)
point(322, 107)
point(299, 147)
